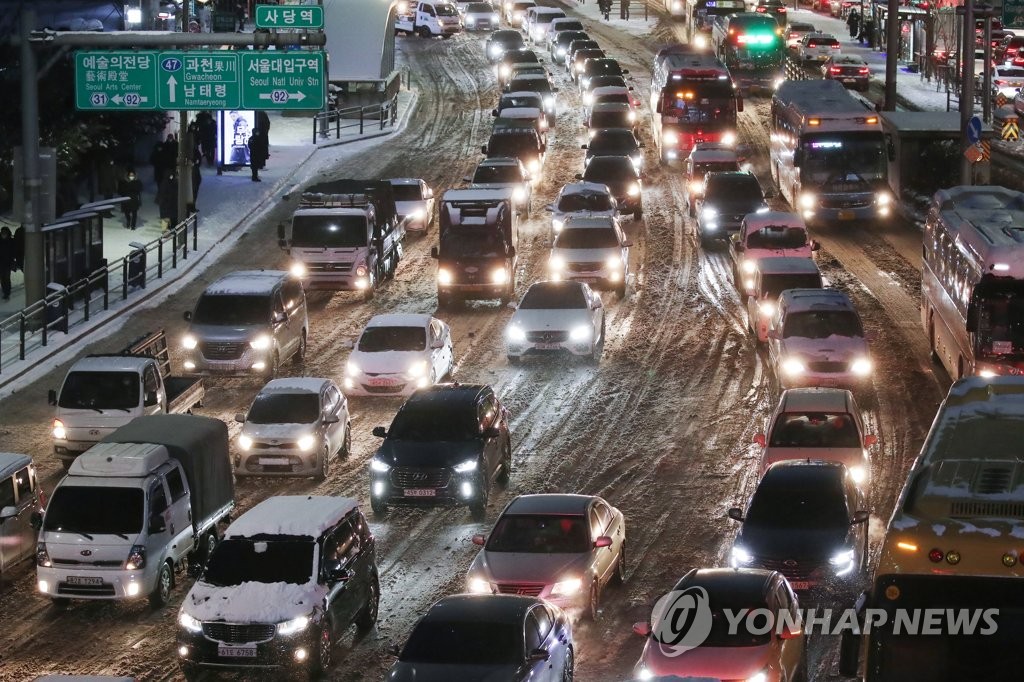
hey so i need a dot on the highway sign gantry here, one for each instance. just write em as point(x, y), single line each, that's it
point(285, 17)
point(283, 80)
point(116, 81)
point(198, 80)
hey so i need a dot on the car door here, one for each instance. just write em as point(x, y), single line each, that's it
point(603, 557)
point(339, 573)
point(180, 511)
point(541, 634)
point(790, 650)
point(154, 400)
point(487, 415)
point(283, 332)
point(615, 528)
point(335, 406)
point(11, 528)
point(159, 541)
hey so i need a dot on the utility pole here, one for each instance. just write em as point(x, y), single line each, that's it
point(185, 145)
point(892, 49)
point(35, 287)
point(966, 89)
point(986, 95)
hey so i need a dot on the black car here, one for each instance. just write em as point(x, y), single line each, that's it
point(602, 82)
point(560, 45)
point(511, 57)
point(478, 637)
point(774, 8)
point(446, 445)
point(622, 178)
point(602, 66)
point(807, 520)
point(614, 142)
point(581, 51)
point(501, 42)
point(529, 82)
point(523, 143)
point(726, 198)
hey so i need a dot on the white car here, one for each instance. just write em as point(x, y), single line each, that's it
point(773, 234)
point(480, 16)
point(613, 93)
point(768, 278)
point(1007, 80)
point(817, 47)
point(294, 427)
point(398, 353)
point(593, 250)
point(563, 549)
point(500, 172)
point(414, 203)
point(556, 317)
point(797, 30)
point(580, 199)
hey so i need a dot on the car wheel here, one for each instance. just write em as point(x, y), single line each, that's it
point(506, 464)
point(325, 465)
point(321, 663)
point(346, 445)
point(367, 618)
point(567, 670)
point(379, 507)
point(371, 287)
point(300, 354)
point(593, 602)
point(478, 507)
point(275, 365)
point(161, 594)
point(423, 32)
point(619, 577)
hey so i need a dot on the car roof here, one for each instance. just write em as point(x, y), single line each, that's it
point(731, 176)
point(787, 265)
point(550, 504)
point(399, 320)
point(588, 222)
point(816, 400)
point(611, 132)
point(295, 385)
point(293, 515)
point(819, 35)
point(447, 394)
point(503, 33)
point(11, 462)
point(246, 283)
point(801, 26)
point(741, 584)
point(482, 608)
point(521, 93)
point(799, 300)
point(721, 155)
point(584, 188)
point(500, 161)
point(758, 221)
point(553, 284)
point(622, 160)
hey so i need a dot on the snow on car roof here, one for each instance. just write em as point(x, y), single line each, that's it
point(520, 112)
point(816, 400)
point(588, 222)
point(585, 188)
point(295, 385)
point(405, 181)
point(299, 515)
point(612, 106)
point(399, 320)
point(11, 462)
point(246, 283)
point(799, 300)
point(549, 504)
point(759, 221)
point(522, 93)
point(786, 265)
point(110, 363)
point(713, 155)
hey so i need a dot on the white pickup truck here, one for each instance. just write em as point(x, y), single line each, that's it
point(104, 392)
point(429, 19)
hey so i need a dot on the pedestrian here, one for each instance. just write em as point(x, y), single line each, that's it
point(131, 187)
point(156, 160)
point(606, 7)
point(263, 123)
point(624, 9)
point(167, 200)
point(197, 179)
point(207, 136)
point(853, 23)
point(19, 248)
point(107, 174)
point(7, 260)
point(868, 31)
point(240, 13)
point(259, 152)
point(170, 155)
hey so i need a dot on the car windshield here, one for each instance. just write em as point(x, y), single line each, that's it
point(273, 560)
point(604, 81)
point(446, 10)
point(587, 53)
point(777, 237)
point(512, 145)
point(473, 243)
point(737, 190)
point(93, 510)
point(612, 143)
point(724, 602)
point(612, 97)
point(702, 169)
point(589, 201)
point(586, 238)
point(613, 168)
point(773, 285)
point(521, 102)
point(821, 324)
point(417, 421)
point(611, 119)
point(479, 8)
point(798, 503)
point(602, 67)
point(814, 430)
point(528, 70)
point(232, 309)
point(530, 84)
point(407, 192)
point(464, 643)
point(100, 391)
point(553, 297)
point(539, 534)
point(508, 173)
point(379, 339)
point(333, 231)
point(284, 408)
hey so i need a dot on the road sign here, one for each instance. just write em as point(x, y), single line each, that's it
point(1011, 129)
point(283, 16)
point(973, 131)
point(115, 81)
point(973, 153)
point(283, 80)
point(199, 80)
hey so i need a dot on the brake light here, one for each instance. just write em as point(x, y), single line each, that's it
point(864, 69)
point(835, 69)
point(781, 10)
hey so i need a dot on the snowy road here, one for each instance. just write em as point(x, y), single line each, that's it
point(662, 428)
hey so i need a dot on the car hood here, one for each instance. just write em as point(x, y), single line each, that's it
point(754, 254)
point(285, 433)
point(545, 320)
point(528, 567)
point(70, 546)
point(833, 348)
point(253, 602)
point(585, 255)
point(414, 453)
point(786, 543)
point(107, 420)
point(388, 361)
point(217, 332)
point(442, 672)
point(725, 663)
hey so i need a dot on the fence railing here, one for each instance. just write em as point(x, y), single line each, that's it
point(65, 307)
point(378, 116)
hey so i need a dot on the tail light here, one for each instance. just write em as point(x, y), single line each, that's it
point(781, 10)
point(864, 70)
point(835, 69)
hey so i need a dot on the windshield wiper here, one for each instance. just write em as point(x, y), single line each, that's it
point(120, 535)
point(84, 535)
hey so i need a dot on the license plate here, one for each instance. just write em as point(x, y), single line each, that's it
point(274, 461)
point(84, 580)
point(547, 346)
point(846, 215)
point(799, 585)
point(586, 280)
point(383, 382)
point(828, 383)
point(236, 651)
point(849, 80)
point(420, 492)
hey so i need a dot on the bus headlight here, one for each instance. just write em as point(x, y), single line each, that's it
point(298, 269)
point(444, 277)
point(861, 367)
point(793, 367)
point(808, 201)
point(499, 276)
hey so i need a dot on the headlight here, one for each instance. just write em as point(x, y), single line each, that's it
point(479, 586)
point(808, 200)
point(709, 213)
point(696, 187)
point(729, 138)
point(418, 214)
point(614, 262)
point(549, 100)
point(417, 369)
point(189, 623)
point(567, 588)
point(470, 21)
point(580, 333)
point(556, 263)
point(495, 18)
point(499, 276)
point(189, 342)
point(766, 308)
point(506, 70)
point(59, 432)
point(306, 443)
point(42, 556)
point(701, 42)
point(557, 225)
point(579, 67)
point(883, 198)
point(293, 626)
point(748, 266)
point(983, 373)
point(361, 270)
point(634, 189)
point(519, 195)
point(352, 369)
point(260, 342)
point(757, 677)
point(495, 50)
point(670, 137)
point(861, 367)
point(588, 98)
point(842, 562)
point(632, 117)
point(466, 467)
point(740, 556)
point(298, 269)
point(858, 474)
point(379, 466)
point(560, 52)
point(792, 367)
point(533, 165)
point(515, 334)
point(591, 133)
point(244, 443)
point(444, 277)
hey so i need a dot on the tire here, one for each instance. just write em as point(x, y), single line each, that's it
point(514, 359)
point(160, 595)
point(325, 465)
point(424, 32)
point(593, 610)
point(619, 577)
point(300, 354)
point(199, 558)
point(568, 671)
point(321, 663)
point(346, 445)
point(379, 507)
point(478, 507)
point(275, 365)
point(506, 465)
point(371, 288)
point(510, 292)
point(190, 673)
point(367, 618)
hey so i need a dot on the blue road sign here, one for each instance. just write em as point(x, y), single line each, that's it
point(974, 130)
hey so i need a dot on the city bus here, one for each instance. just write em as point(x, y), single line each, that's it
point(693, 100)
point(703, 13)
point(946, 602)
point(828, 155)
point(752, 47)
point(972, 280)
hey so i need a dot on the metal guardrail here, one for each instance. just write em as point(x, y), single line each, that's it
point(378, 115)
point(72, 305)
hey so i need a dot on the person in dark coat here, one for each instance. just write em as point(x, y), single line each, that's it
point(624, 9)
point(259, 152)
point(263, 123)
point(156, 160)
point(605, 6)
point(197, 179)
point(131, 187)
point(853, 23)
point(7, 260)
point(167, 200)
point(207, 136)
point(240, 13)
point(19, 249)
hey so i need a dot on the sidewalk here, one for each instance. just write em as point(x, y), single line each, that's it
point(636, 25)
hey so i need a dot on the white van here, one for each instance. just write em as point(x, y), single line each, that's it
point(537, 22)
point(430, 19)
point(20, 507)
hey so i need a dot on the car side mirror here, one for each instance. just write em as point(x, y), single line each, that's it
point(641, 146)
point(578, 176)
point(393, 650)
point(36, 520)
point(870, 440)
point(494, 112)
point(467, 178)
point(769, 194)
point(434, 253)
point(860, 516)
point(598, 304)
point(479, 539)
point(51, 397)
point(584, 146)
point(602, 541)
point(538, 655)
point(436, 344)
point(279, 317)
point(338, 574)
point(187, 315)
point(380, 432)
point(240, 417)
point(549, 208)
point(736, 514)
point(511, 252)
point(331, 419)
point(760, 439)
point(492, 432)
point(815, 245)
point(642, 629)
point(8, 513)
point(157, 524)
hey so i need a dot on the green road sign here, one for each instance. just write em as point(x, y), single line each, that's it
point(1013, 13)
point(115, 81)
point(198, 80)
point(283, 80)
point(289, 16)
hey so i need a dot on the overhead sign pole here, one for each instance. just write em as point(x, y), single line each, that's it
point(966, 90)
point(32, 266)
point(185, 142)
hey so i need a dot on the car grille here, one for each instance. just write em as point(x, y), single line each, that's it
point(252, 463)
point(384, 390)
point(329, 267)
point(523, 589)
point(827, 367)
point(407, 477)
point(844, 202)
point(113, 563)
point(263, 445)
point(547, 337)
point(851, 71)
point(104, 590)
point(793, 569)
point(235, 633)
point(223, 350)
point(583, 267)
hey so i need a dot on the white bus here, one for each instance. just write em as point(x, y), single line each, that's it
point(828, 155)
point(951, 559)
point(972, 280)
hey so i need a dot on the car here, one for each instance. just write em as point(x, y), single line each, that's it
point(564, 549)
point(797, 30)
point(414, 203)
point(516, 11)
point(591, 249)
point(614, 142)
point(524, 117)
point(704, 158)
point(614, 93)
point(580, 199)
point(556, 318)
point(510, 57)
point(807, 520)
point(610, 115)
point(528, 69)
point(505, 172)
point(774, 8)
point(398, 353)
point(558, 46)
point(285, 583)
point(850, 70)
point(21, 507)
point(766, 235)
point(579, 56)
point(778, 655)
point(599, 82)
point(578, 44)
point(488, 637)
point(540, 83)
point(1008, 49)
point(294, 427)
point(817, 47)
point(1018, 104)
point(601, 66)
point(1007, 81)
point(622, 178)
point(501, 41)
point(557, 28)
point(768, 279)
point(820, 424)
point(538, 21)
point(522, 143)
point(726, 198)
point(446, 445)
point(480, 16)
point(521, 100)
point(816, 338)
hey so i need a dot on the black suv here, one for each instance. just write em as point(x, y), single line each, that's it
point(446, 445)
point(727, 197)
point(524, 144)
point(623, 179)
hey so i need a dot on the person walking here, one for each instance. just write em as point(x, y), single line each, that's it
point(131, 187)
point(624, 9)
point(263, 123)
point(7, 260)
point(156, 160)
point(259, 152)
point(240, 14)
point(606, 7)
point(167, 200)
point(853, 23)
point(197, 179)
point(207, 136)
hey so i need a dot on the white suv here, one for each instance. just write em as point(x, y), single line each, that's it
point(594, 250)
